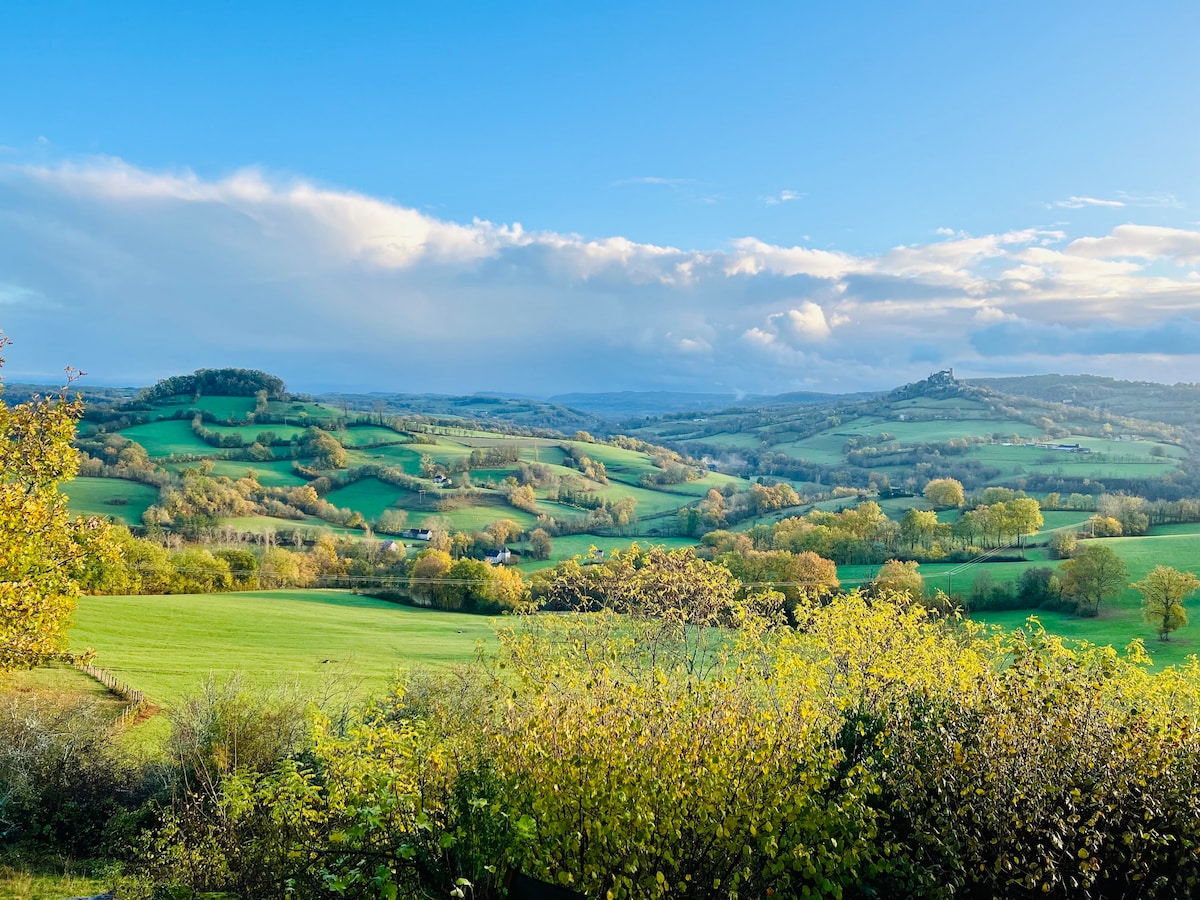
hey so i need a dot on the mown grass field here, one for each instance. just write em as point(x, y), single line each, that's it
point(168, 646)
point(92, 496)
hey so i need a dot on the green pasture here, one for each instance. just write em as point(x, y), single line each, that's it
point(937, 430)
point(1120, 620)
point(224, 407)
point(824, 449)
point(357, 435)
point(295, 409)
point(561, 511)
point(474, 518)
point(369, 496)
point(92, 496)
point(940, 405)
point(1116, 626)
point(168, 646)
point(649, 502)
point(697, 489)
point(1110, 459)
point(1175, 530)
point(167, 437)
point(1133, 450)
point(270, 474)
point(735, 440)
point(619, 462)
point(1055, 519)
point(250, 433)
point(572, 545)
point(400, 456)
point(221, 407)
point(310, 526)
point(951, 577)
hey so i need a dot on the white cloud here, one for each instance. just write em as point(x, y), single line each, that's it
point(988, 315)
point(807, 323)
point(1080, 202)
point(784, 196)
point(1141, 242)
point(1159, 201)
point(133, 274)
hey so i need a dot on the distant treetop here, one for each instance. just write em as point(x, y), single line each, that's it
point(217, 383)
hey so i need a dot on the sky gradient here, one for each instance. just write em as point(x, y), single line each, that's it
point(535, 198)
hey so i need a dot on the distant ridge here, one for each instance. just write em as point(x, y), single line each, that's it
point(636, 404)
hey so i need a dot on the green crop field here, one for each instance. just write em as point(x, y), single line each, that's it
point(168, 646)
point(167, 437)
point(93, 496)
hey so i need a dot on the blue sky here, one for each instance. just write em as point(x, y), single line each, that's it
point(709, 197)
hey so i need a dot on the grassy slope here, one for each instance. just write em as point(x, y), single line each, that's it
point(168, 645)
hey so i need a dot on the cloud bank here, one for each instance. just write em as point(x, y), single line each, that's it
point(132, 275)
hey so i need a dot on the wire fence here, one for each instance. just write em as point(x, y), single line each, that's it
point(134, 699)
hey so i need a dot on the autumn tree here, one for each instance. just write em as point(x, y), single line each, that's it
point(944, 493)
point(327, 453)
point(1163, 592)
point(43, 551)
point(540, 544)
point(896, 577)
point(1093, 575)
point(1063, 544)
point(392, 521)
point(427, 572)
point(918, 525)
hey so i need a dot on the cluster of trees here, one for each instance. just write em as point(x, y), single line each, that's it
point(721, 508)
point(587, 467)
point(864, 533)
point(218, 383)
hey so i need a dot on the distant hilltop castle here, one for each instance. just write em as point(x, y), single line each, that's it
point(946, 376)
point(941, 383)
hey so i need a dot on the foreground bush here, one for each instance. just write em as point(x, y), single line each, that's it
point(701, 749)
